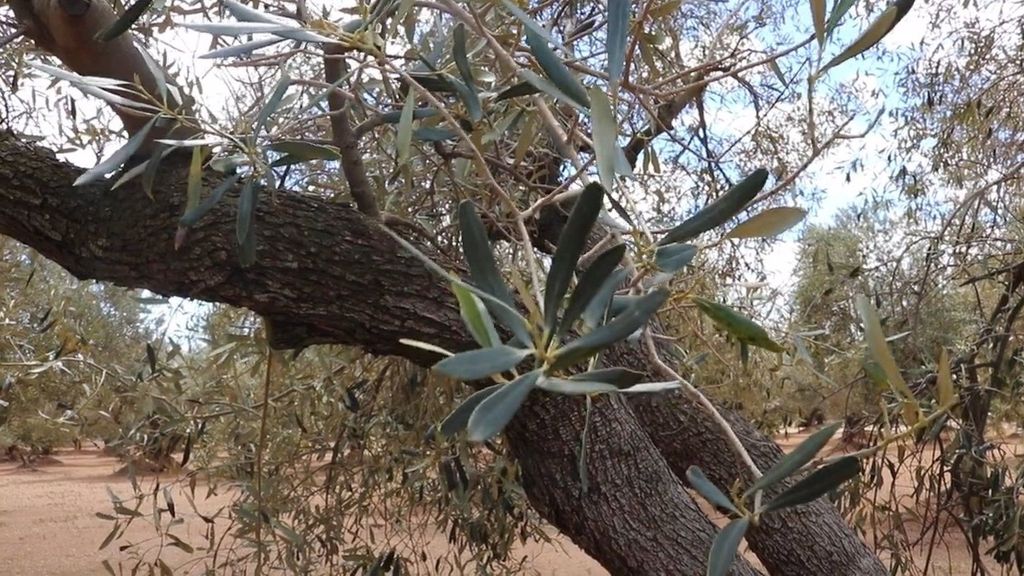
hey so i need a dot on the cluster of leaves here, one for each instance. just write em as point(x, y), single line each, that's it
point(747, 508)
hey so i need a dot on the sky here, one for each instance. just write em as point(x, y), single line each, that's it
point(828, 173)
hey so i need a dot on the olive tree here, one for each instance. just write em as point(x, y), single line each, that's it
point(548, 131)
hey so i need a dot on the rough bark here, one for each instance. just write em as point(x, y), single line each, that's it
point(326, 273)
point(677, 530)
point(807, 540)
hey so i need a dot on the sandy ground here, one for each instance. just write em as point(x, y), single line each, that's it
point(48, 523)
point(49, 527)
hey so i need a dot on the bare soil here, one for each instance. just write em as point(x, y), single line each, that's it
point(49, 527)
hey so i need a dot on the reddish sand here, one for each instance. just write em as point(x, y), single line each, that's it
point(49, 527)
point(48, 523)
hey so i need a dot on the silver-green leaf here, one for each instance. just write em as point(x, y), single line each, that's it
point(492, 415)
point(477, 364)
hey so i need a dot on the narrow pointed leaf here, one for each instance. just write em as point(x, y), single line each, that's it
point(395, 116)
point(594, 313)
point(531, 25)
point(158, 151)
point(795, 460)
point(246, 14)
point(497, 410)
point(818, 18)
point(672, 258)
point(305, 150)
point(476, 317)
point(272, 103)
point(524, 88)
point(727, 543)
point(470, 98)
point(770, 223)
point(240, 49)
point(619, 377)
point(743, 328)
point(606, 132)
point(648, 387)
point(432, 134)
point(195, 179)
point(550, 88)
point(879, 349)
point(425, 346)
point(157, 72)
point(459, 418)
point(839, 10)
point(589, 285)
point(125, 21)
point(459, 54)
point(153, 166)
point(617, 330)
point(618, 36)
point(721, 210)
point(237, 28)
point(247, 248)
point(574, 387)
point(476, 248)
point(477, 364)
point(621, 303)
point(695, 476)
point(246, 210)
point(404, 138)
point(555, 69)
point(192, 216)
point(567, 254)
point(820, 482)
point(878, 29)
point(192, 142)
point(118, 158)
point(944, 382)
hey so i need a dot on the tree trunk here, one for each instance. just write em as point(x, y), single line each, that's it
point(808, 540)
point(316, 264)
point(622, 467)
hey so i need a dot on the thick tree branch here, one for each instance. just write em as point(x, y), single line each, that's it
point(326, 273)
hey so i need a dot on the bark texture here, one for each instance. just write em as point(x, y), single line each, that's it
point(545, 439)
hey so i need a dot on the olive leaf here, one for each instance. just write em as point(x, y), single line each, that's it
point(725, 546)
point(720, 211)
point(878, 29)
point(795, 460)
point(742, 328)
point(816, 484)
point(571, 242)
point(492, 414)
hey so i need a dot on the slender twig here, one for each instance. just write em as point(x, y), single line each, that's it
point(348, 145)
point(261, 447)
point(696, 395)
